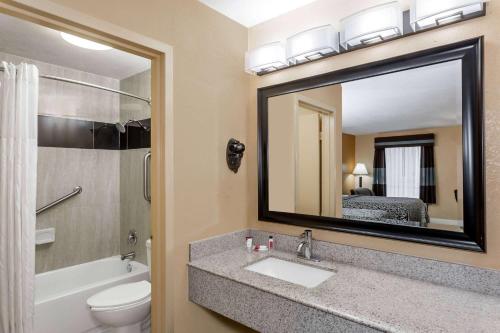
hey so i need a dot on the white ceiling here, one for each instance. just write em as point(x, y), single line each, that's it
point(424, 97)
point(253, 12)
point(36, 42)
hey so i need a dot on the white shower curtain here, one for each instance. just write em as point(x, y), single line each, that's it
point(18, 162)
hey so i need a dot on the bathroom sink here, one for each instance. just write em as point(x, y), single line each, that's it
point(303, 275)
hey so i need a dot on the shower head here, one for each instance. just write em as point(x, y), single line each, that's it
point(121, 127)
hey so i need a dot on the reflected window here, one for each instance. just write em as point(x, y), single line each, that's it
point(403, 172)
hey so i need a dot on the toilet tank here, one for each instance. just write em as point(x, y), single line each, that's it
point(148, 251)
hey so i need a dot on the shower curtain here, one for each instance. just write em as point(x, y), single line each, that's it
point(18, 162)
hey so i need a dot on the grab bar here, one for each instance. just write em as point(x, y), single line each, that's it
point(77, 190)
point(145, 177)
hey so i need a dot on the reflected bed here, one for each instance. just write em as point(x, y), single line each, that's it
point(403, 211)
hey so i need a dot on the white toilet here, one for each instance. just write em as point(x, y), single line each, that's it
point(125, 306)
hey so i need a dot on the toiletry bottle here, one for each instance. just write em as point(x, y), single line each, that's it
point(249, 243)
point(270, 243)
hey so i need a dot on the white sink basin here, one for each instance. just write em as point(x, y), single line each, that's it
point(303, 275)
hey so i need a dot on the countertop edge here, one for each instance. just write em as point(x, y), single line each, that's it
point(368, 323)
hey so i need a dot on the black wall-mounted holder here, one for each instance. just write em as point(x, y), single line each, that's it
point(234, 154)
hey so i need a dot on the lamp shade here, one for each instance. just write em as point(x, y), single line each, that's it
point(372, 25)
point(265, 58)
point(429, 13)
point(312, 44)
point(360, 169)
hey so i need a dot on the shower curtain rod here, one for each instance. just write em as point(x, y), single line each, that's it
point(62, 79)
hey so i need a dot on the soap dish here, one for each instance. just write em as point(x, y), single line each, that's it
point(45, 236)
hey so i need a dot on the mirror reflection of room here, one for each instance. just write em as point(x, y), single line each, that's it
point(398, 138)
point(402, 148)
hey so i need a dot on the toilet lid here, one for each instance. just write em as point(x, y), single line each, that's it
point(124, 294)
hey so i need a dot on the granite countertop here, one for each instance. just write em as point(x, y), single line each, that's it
point(379, 300)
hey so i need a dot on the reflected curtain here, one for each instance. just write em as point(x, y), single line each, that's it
point(427, 175)
point(379, 183)
point(18, 163)
point(403, 172)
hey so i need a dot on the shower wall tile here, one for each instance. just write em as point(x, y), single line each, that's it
point(135, 210)
point(70, 100)
point(87, 225)
point(131, 108)
point(92, 224)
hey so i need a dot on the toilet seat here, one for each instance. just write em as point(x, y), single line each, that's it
point(121, 297)
point(123, 307)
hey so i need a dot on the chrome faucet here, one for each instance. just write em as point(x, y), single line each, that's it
point(130, 255)
point(304, 249)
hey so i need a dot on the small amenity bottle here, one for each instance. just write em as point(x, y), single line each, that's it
point(249, 244)
point(270, 243)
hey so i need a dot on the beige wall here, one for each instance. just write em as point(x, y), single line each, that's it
point(447, 156)
point(331, 10)
point(348, 162)
point(281, 122)
point(210, 95)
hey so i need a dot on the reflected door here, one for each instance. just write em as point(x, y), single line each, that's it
point(312, 155)
point(309, 157)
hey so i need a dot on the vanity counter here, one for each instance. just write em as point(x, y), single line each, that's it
point(357, 299)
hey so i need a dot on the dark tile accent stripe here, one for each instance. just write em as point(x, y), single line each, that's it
point(106, 136)
point(123, 141)
point(137, 137)
point(65, 133)
point(73, 133)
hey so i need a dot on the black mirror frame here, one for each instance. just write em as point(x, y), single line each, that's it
point(473, 238)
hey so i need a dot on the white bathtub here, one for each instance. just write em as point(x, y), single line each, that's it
point(61, 295)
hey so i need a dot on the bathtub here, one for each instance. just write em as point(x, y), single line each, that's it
point(61, 295)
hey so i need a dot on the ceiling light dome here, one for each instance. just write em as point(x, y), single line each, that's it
point(84, 43)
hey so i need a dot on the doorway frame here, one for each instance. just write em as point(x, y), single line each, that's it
point(54, 16)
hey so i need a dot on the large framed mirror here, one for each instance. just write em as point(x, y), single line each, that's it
point(390, 149)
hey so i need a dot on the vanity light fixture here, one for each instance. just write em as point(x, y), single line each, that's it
point(265, 58)
point(367, 27)
point(312, 44)
point(84, 43)
point(430, 13)
point(372, 25)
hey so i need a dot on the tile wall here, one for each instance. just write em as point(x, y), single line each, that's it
point(80, 146)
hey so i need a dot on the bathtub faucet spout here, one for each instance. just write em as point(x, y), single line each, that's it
point(130, 255)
